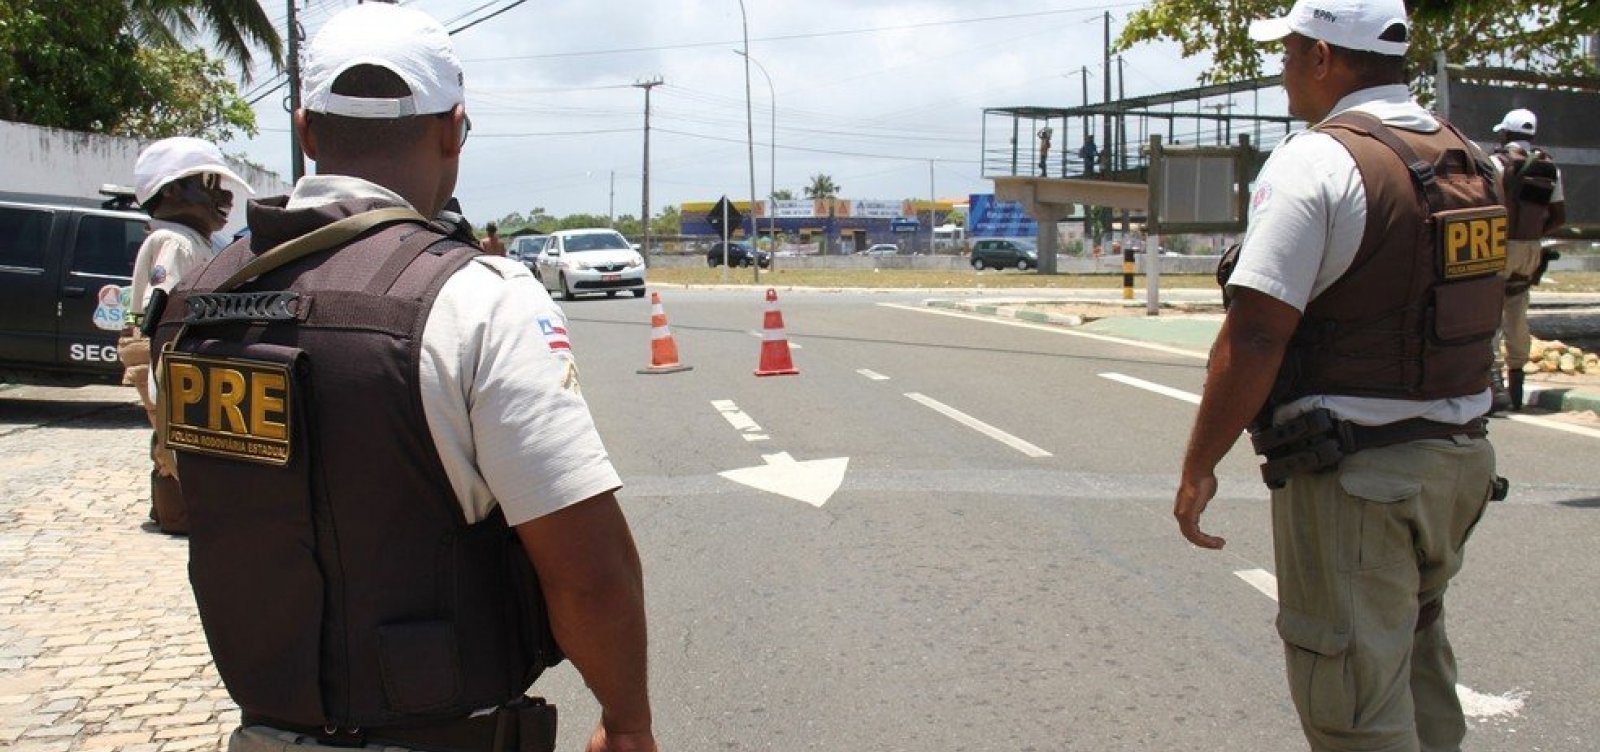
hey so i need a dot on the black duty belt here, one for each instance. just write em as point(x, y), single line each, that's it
point(1316, 441)
point(528, 725)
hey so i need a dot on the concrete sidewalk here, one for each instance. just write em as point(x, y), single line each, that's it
point(1192, 320)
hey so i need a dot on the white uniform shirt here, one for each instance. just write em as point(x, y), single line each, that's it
point(1307, 216)
point(499, 385)
point(166, 256)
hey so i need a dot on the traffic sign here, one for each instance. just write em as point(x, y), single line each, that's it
point(725, 208)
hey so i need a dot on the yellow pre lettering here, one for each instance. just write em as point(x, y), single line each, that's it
point(227, 391)
point(266, 398)
point(185, 385)
point(1480, 239)
point(1455, 240)
point(1497, 235)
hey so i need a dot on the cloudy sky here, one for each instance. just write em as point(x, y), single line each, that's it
point(867, 91)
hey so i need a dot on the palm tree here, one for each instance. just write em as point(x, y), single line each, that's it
point(822, 186)
point(234, 25)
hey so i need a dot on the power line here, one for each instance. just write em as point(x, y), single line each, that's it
point(815, 151)
point(794, 37)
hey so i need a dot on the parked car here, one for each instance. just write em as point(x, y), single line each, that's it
point(739, 254)
point(574, 262)
point(66, 266)
point(526, 248)
point(882, 249)
point(1001, 253)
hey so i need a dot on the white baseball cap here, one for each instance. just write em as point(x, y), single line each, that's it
point(176, 158)
point(1519, 121)
point(1351, 24)
point(407, 42)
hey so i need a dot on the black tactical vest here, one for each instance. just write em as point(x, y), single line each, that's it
point(337, 578)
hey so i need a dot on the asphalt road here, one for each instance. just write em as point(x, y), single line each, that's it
point(961, 592)
point(954, 533)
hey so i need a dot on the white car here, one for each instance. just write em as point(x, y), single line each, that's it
point(576, 262)
point(882, 249)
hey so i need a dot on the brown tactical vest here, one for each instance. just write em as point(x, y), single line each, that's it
point(1413, 315)
point(337, 578)
point(1528, 182)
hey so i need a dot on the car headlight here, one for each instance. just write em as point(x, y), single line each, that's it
point(582, 265)
point(635, 262)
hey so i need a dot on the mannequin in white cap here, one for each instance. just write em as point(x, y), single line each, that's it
point(1530, 187)
point(463, 411)
point(182, 183)
point(1375, 443)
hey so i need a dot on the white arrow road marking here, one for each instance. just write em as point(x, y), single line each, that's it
point(1474, 704)
point(979, 426)
point(1153, 387)
point(760, 335)
point(874, 375)
point(812, 481)
point(742, 423)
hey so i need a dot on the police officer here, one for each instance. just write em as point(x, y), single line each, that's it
point(383, 444)
point(1371, 403)
point(182, 183)
point(1530, 188)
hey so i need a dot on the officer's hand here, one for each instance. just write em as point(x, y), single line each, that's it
point(1193, 496)
point(600, 741)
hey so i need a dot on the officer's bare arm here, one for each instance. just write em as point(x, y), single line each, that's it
point(1239, 376)
point(1556, 218)
point(594, 589)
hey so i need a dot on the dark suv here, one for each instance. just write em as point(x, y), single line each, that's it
point(65, 267)
point(739, 254)
point(1001, 254)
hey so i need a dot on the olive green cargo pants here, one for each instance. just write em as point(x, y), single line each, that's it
point(1364, 554)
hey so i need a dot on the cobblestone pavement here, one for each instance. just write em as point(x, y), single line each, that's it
point(100, 644)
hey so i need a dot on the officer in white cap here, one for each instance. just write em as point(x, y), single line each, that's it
point(183, 183)
point(411, 498)
point(1530, 187)
point(1369, 238)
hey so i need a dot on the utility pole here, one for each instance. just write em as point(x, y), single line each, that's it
point(644, 211)
point(750, 138)
point(611, 206)
point(933, 206)
point(297, 160)
point(1110, 144)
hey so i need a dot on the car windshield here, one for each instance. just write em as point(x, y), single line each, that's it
point(600, 241)
point(1026, 245)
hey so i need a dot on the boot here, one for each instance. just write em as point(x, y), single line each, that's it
point(1500, 399)
point(1515, 389)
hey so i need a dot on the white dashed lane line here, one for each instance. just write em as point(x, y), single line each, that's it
point(978, 425)
point(744, 424)
point(1473, 703)
point(874, 375)
point(1151, 386)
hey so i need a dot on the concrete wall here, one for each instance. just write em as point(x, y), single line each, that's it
point(70, 163)
point(1066, 264)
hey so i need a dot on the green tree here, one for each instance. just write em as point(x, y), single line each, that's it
point(188, 95)
point(234, 25)
point(822, 186)
point(67, 65)
point(668, 222)
point(1541, 35)
point(783, 194)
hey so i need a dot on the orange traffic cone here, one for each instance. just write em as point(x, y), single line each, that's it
point(775, 359)
point(663, 350)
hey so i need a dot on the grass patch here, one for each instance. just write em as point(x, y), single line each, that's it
point(921, 279)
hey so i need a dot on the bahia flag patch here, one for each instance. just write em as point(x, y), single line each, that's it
point(555, 335)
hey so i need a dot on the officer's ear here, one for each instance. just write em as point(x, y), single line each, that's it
point(302, 131)
point(453, 136)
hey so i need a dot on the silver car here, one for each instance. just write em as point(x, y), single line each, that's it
point(577, 262)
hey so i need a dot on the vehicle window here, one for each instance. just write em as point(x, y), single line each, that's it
point(600, 241)
point(107, 246)
point(23, 233)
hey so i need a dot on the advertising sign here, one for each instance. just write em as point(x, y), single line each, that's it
point(794, 209)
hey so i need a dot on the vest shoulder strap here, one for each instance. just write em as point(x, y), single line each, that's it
point(326, 238)
point(1421, 170)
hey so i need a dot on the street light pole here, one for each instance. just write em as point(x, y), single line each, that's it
point(750, 137)
point(772, 150)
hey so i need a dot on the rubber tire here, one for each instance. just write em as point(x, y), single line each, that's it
point(639, 293)
point(711, 262)
point(611, 293)
point(745, 263)
point(566, 292)
point(977, 264)
point(1022, 265)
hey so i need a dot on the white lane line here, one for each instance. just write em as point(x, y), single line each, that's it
point(979, 426)
point(744, 424)
point(1534, 420)
point(874, 375)
point(1050, 328)
point(1262, 580)
point(759, 335)
point(1191, 398)
point(1474, 704)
